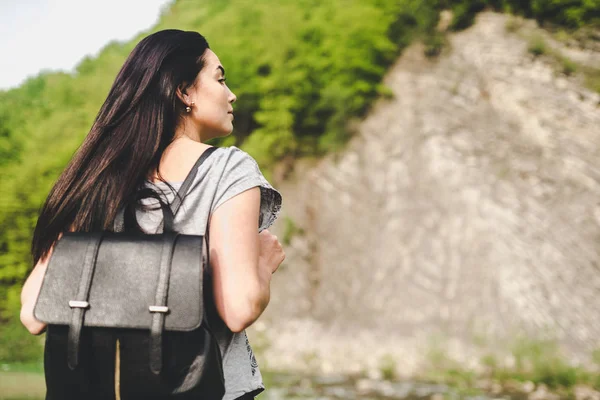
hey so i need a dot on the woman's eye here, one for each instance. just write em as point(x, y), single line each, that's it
point(222, 80)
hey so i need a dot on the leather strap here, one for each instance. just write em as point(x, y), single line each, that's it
point(185, 186)
point(79, 305)
point(160, 302)
point(159, 309)
point(168, 217)
point(168, 211)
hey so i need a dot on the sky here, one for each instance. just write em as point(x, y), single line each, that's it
point(38, 35)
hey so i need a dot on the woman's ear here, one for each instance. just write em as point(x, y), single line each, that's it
point(182, 94)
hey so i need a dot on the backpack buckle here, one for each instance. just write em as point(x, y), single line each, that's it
point(160, 309)
point(78, 304)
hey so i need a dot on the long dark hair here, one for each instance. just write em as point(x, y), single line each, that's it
point(133, 127)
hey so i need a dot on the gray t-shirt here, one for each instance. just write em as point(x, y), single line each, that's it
point(228, 172)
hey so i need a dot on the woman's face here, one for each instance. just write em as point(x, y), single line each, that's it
point(212, 112)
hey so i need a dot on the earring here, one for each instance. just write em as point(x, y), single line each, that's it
point(189, 108)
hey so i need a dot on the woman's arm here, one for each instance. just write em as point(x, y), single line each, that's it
point(29, 295)
point(242, 260)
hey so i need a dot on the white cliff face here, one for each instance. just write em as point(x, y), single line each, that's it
point(467, 207)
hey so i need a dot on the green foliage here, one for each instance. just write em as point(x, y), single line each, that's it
point(592, 78)
point(434, 44)
point(464, 13)
point(513, 24)
point(571, 14)
point(569, 67)
point(490, 361)
point(387, 367)
point(535, 360)
point(537, 45)
point(290, 230)
point(596, 357)
point(16, 344)
point(541, 361)
point(444, 368)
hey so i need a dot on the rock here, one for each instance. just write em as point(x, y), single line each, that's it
point(586, 393)
point(365, 386)
point(528, 387)
point(330, 380)
point(496, 388)
point(374, 374)
point(479, 179)
point(542, 393)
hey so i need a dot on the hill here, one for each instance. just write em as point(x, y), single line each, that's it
point(461, 220)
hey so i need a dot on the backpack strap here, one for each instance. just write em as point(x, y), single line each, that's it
point(160, 309)
point(80, 304)
point(169, 214)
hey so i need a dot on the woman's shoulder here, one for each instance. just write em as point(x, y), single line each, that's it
point(233, 151)
point(234, 158)
point(237, 172)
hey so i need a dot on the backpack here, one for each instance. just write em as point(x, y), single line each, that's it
point(127, 314)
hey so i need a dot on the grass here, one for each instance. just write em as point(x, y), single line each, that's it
point(537, 45)
point(591, 76)
point(290, 231)
point(536, 361)
point(513, 24)
point(31, 367)
point(562, 36)
point(542, 362)
point(435, 44)
point(569, 67)
point(22, 381)
point(387, 367)
point(443, 369)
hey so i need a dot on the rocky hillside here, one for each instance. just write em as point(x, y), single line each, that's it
point(465, 211)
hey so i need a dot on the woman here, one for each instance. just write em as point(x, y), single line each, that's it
point(169, 97)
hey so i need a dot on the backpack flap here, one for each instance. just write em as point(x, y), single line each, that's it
point(124, 281)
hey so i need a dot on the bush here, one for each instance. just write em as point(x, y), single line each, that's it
point(568, 66)
point(513, 24)
point(16, 344)
point(537, 45)
point(540, 361)
point(592, 79)
point(571, 14)
point(434, 44)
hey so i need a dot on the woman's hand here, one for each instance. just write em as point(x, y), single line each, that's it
point(271, 254)
point(29, 296)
